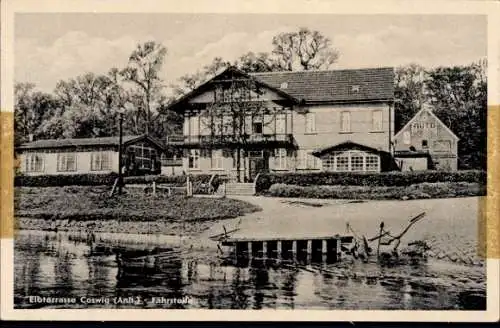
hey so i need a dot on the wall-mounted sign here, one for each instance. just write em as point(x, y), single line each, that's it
point(424, 125)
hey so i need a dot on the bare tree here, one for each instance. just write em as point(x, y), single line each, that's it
point(292, 51)
point(303, 50)
point(143, 70)
point(235, 104)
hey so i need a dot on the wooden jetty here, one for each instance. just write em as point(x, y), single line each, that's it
point(277, 247)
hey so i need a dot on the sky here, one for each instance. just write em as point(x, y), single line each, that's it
point(54, 46)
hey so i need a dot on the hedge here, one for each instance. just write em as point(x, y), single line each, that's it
point(389, 179)
point(417, 191)
point(109, 179)
point(64, 180)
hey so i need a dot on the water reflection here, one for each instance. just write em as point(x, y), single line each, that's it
point(59, 265)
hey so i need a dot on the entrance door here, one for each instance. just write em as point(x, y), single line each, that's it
point(258, 163)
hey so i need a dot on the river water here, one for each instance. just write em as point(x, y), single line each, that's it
point(73, 273)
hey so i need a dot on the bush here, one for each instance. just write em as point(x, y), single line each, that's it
point(389, 179)
point(416, 191)
point(65, 180)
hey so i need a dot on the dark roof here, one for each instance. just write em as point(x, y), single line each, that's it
point(79, 142)
point(373, 84)
point(346, 145)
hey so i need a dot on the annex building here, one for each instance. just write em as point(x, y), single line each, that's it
point(425, 142)
point(141, 155)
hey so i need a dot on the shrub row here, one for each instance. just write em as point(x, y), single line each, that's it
point(389, 179)
point(108, 179)
point(64, 180)
point(416, 191)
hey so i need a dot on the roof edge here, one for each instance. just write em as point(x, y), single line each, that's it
point(202, 86)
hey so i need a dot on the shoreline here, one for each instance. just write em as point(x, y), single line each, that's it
point(159, 227)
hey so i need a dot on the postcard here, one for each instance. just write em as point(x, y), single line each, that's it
point(305, 160)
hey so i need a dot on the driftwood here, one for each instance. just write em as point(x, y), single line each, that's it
point(383, 238)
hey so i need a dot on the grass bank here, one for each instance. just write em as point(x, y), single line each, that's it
point(77, 207)
point(414, 191)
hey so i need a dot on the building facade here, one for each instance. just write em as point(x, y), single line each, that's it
point(240, 124)
point(425, 142)
point(141, 154)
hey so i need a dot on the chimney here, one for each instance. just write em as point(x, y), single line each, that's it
point(30, 137)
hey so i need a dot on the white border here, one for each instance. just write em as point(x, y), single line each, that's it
point(10, 7)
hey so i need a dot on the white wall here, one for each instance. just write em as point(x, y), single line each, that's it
point(83, 163)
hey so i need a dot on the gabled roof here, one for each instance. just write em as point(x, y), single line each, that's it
point(425, 109)
point(311, 87)
point(234, 71)
point(335, 86)
point(86, 142)
point(346, 145)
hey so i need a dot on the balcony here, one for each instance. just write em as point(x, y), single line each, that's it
point(250, 140)
point(171, 162)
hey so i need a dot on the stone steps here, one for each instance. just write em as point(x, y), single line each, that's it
point(240, 189)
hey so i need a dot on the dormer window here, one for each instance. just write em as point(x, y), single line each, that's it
point(284, 85)
point(355, 88)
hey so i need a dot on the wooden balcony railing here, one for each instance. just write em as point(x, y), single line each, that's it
point(230, 139)
point(171, 162)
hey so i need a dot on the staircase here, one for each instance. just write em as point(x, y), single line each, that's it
point(240, 189)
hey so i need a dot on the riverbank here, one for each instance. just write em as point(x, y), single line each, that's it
point(77, 208)
point(450, 226)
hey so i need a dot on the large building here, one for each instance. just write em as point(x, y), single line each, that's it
point(239, 124)
point(141, 154)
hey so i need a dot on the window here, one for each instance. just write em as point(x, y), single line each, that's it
point(100, 161)
point(342, 163)
point(257, 128)
point(66, 162)
point(310, 122)
point(143, 155)
point(406, 138)
point(424, 144)
point(345, 122)
point(217, 159)
point(34, 162)
point(186, 126)
point(227, 125)
point(205, 127)
point(232, 94)
point(377, 120)
point(195, 127)
point(280, 159)
point(280, 124)
point(372, 163)
point(194, 159)
point(306, 160)
point(329, 163)
point(353, 161)
point(357, 162)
